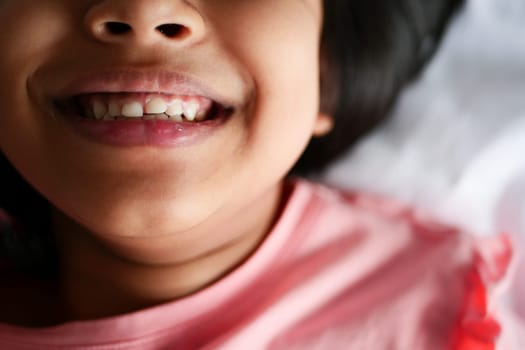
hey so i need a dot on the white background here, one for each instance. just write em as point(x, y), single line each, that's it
point(456, 143)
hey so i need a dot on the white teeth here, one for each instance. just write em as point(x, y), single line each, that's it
point(175, 109)
point(133, 110)
point(190, 110)
point(201, 116)
point(156, 106)
point(99, 110)
point(177, 118)
point(114, 109)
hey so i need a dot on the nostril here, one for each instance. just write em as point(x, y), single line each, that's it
point(171, 30)
point(118, 28)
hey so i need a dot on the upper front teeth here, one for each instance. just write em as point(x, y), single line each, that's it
point(133, 110)
point(175, 109)
point(114, 109)
point(190, 109)
point(99, 110)
point(156, 106)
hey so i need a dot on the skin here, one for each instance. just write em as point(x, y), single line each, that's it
point(209, 204)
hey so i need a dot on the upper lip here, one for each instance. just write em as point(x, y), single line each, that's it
point(141, 81)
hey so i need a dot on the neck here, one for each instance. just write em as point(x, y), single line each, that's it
point(99, 281)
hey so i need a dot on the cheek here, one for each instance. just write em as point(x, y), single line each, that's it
point(31, 31)
point(30, 34)
point(277, 42)
point(281, 55)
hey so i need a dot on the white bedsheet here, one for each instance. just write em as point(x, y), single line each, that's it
point(457, 137)
point(456, 143)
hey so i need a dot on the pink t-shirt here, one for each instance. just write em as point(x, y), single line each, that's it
point(338, 271)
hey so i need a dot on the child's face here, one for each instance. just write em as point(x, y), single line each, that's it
point(259, 57)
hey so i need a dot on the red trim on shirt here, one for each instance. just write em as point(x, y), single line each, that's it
point(476, 329)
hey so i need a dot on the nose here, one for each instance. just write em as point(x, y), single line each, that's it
point(145, 22)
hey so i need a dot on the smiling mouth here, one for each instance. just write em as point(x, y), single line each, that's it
point(126, 106)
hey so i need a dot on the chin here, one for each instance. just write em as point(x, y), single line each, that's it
point(147, 220)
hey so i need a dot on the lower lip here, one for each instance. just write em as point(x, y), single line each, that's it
point(156, 133)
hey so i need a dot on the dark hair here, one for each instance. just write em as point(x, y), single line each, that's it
point(26, 240)
point(370, 50)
